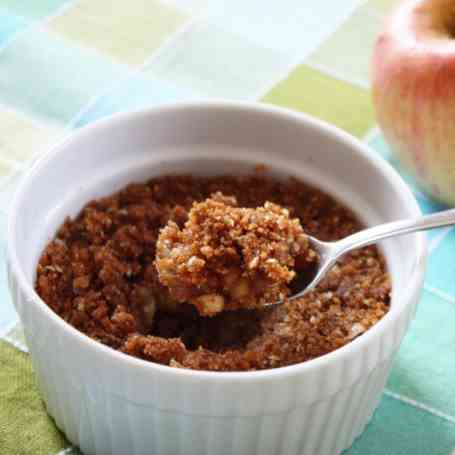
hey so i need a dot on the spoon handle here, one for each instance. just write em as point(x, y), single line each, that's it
point(383, 231)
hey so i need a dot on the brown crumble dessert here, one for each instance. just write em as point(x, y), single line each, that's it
point(228, 257)
point(99, 275)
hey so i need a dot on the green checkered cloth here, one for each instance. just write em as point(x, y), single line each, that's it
point(66, 63)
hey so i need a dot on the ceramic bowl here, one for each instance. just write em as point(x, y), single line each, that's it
point(109, 403)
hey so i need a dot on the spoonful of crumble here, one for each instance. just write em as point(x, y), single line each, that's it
point(228, 257)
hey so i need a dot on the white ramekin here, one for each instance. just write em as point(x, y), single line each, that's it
point(109, 403)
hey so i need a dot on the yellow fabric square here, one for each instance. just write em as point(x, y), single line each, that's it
point(6, 169)
point(21, 139)
point(127, 30)
point(307, 90)
point(384, 5)
point(192, 7)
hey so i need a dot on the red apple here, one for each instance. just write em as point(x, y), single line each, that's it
point(413, 86)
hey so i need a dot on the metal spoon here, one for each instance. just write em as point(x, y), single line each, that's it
point(330, 252)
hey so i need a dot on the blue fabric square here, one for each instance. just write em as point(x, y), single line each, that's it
point(34, 9)
point(214, 62)
point(378, 144)
point(400, 429)
point(424, 369)
point(271, 25)
point(10, 24)
point(132, 94)
point(7, 311)
point(49, 78)
point(429, 206)
point(441, 266)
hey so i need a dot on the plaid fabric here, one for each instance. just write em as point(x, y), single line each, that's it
point(66, 63)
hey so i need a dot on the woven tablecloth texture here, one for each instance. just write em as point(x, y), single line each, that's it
point(66, 63)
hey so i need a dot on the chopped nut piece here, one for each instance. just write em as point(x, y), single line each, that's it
point(356, 330)
point(208, 304)
point(253, 263)
point(195, 264)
